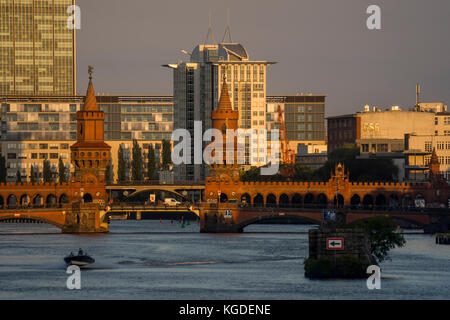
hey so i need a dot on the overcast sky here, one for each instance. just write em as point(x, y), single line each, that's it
point(321, 46)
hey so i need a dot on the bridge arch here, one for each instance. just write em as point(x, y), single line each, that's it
point(284, 200)
point(2, 202)
point(223, 197)
point(271, 200)
point(380, 202)
point(368, 202)
point(355, 201)
point(394, 201)
point(322, 200)
point(24, 200)
point(245, 198)
point(37, 201)
point(258, 200)
point(34, 218)
point(276, 216)
point(63, 199)
point(51, 201)
point(87, 197)
point(11, 201)
point(400, 217)
point(339, 200)
point(297, 201)
point(309, 200)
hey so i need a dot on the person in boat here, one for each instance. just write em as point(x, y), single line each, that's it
point(80, 252)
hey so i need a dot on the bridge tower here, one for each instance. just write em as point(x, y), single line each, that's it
point(224, 118)
point(90, 154)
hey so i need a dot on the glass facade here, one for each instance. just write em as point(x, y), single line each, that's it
point(37, 51)
point(44, 128)
point(304, 116)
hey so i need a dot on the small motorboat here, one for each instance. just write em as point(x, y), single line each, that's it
point(82, 259)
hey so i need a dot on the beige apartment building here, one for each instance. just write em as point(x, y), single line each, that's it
point(408, 137)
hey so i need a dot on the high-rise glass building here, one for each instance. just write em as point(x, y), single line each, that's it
point(196, 88)
point(37, 52)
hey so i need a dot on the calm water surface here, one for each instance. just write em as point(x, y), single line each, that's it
point(146, 260)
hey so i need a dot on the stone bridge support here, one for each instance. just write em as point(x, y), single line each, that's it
point(85, 218)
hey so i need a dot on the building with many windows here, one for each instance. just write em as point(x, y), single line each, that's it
point(37, 51)
point(35, 129)
point(196, 92)
point(408, 137)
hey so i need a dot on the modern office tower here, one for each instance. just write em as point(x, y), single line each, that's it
point(38, 128)
point(304, 117)
point(196, 93)
point(37, 51)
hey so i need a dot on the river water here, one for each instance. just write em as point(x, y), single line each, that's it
point(146, 260)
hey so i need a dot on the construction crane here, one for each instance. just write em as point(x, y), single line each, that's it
point(288, 155)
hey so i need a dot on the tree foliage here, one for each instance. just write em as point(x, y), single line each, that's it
point(383, 236)
point(166, 155)
point(359, 169)
point(47, 171)
point(62, 171)
point(121, 167)
point(33, 174)
point(18, 177)
point(2, 169)
point(151, 163)
point(109, 174)
point(136, 162)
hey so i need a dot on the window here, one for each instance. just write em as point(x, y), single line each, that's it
point(428, 146)
point(43, 155)
point(53, 156)
point(365, 147)
point(64, 146)
point(34, 156)
point(382, 147)
point(43, 146)
point(11, 156)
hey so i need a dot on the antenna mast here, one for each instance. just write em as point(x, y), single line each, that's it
point(227, 30)
point(210, 33)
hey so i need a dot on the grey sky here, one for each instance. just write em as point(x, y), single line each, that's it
point(321, 46)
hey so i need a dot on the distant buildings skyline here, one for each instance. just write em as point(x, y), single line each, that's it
point(37, 51)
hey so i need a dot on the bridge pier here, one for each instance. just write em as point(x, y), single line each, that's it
point(214, 218)
point(85, 218)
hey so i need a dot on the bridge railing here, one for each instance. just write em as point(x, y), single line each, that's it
point(143, 206)
point(351, 208)
point(155, 183)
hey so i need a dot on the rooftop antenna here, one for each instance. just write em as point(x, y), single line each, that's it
point(417, 94)
point(210, 33)
point(227, 30)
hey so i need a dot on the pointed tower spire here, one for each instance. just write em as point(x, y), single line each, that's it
point(90, 103)
point(224, 101)
point(227, 30)
point(434, 164)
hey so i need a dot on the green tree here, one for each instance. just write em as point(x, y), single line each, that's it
point(383, 236)
point(151, 163)
point(62, 171)
point(2, 169)
point(359, 169)
point(121, 167)
point(166, 155)
point(18, 177)
point(136, 162)
point(47, 171)
point(32, 174)
point(109, 174)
